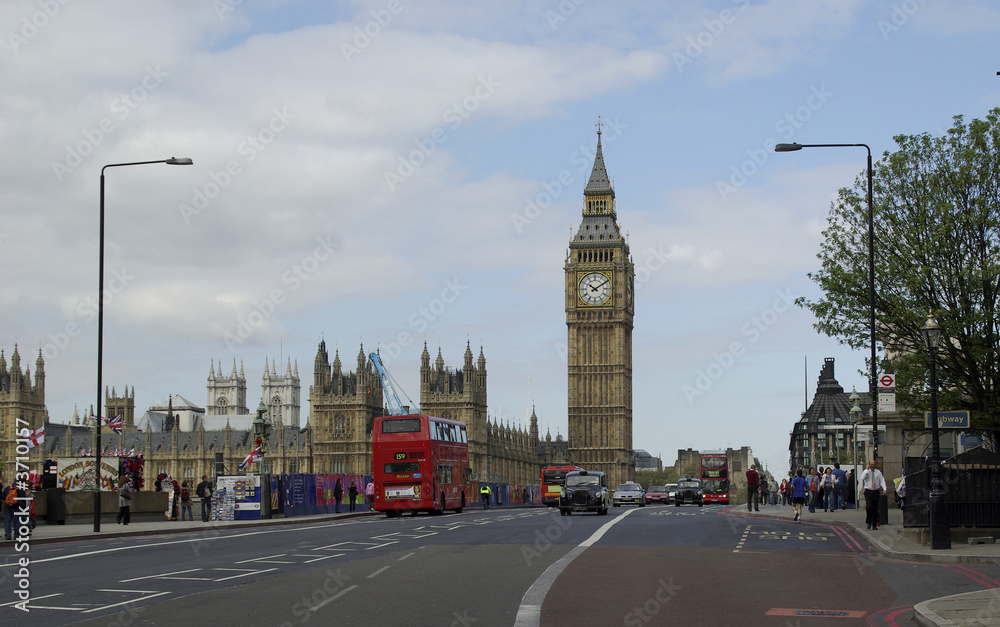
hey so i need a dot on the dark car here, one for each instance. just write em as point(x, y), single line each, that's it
point(584, 491)
point(657, 494)
point(689, 493)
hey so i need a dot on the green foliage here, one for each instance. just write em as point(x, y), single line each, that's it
point(936, 213)
point(646, 478)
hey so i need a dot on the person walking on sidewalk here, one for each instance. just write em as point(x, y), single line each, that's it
point(798, 489)
point(370, 495)
point(829, 481)
point(186, 502)
point(813, 481)
point(124, 501)
point(873, 483)
point(8, 508)
point(204, 492)
point(753, 484)
point(352, 494)
point(338, 495)
point(840, 483)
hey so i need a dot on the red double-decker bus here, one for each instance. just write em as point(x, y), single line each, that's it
point(421, 464)
point(715, 477)
point(553, 478)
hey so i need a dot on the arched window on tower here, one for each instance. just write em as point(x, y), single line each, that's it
point(275, 410)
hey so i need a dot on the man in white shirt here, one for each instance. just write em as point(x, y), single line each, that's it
point(873, 483)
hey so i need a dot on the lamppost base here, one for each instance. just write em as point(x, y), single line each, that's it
point(939, 525)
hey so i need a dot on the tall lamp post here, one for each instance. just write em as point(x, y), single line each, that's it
point(100, 335)
point(940, 528)
point(872, 382)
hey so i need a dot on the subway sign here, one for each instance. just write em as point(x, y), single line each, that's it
point(948, 420)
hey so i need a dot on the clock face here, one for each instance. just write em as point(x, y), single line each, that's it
point(595, 288)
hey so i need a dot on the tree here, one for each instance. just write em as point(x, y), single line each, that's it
point(937, 249)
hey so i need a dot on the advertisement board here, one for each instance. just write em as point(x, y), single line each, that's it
point(77, 473)
point(236, 497)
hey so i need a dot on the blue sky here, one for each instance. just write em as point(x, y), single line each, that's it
point(392, 173)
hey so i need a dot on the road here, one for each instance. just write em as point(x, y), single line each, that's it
point(637, 566)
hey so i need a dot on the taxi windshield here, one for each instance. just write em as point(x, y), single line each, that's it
point(577, 481)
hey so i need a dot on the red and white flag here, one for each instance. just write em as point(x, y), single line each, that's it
point(36, 437)
point(255, 456)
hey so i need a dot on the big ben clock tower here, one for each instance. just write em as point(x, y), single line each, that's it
point(600, 287)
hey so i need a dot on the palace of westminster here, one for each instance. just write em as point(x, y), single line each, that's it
point(182, 439)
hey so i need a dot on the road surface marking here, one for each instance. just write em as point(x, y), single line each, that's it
point(529, 614)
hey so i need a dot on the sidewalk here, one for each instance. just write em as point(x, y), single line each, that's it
point(979, 608)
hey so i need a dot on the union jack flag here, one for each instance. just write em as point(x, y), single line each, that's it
point(115, 424)
point(255, 456)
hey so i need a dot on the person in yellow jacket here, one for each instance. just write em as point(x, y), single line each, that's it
point(484, 495)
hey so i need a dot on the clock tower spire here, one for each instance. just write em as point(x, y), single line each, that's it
point(600, 284)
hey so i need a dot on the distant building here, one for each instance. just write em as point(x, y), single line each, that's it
point(825, 433)
point(645, 461)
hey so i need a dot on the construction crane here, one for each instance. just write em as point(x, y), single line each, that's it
point(395, 406)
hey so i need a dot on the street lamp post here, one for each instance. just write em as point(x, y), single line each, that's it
point(940, 529)
point(100, 335)
point(872, 382)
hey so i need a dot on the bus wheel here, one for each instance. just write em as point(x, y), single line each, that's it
point(391, 513)
point(435, 512)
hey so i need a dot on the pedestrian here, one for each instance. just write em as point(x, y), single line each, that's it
point(783, 491)
point(873, 483)
point(849, 489)
point(338, 494)
point(186, 502)
point(525, 496)
point(370, 495)
point(204, 492)
point(814, 484)
point(124, 501)
point(753, 484)
point(798, 488)
point(838, 487)
point(765, 493)
point(352, 494)
point(828, 482)
point(9, 495)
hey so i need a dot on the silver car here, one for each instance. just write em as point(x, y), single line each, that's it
point(629, 493)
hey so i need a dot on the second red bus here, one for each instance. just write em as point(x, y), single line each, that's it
point(715, 477)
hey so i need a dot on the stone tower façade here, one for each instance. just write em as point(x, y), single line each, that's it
point(22, 405)
point(343, 408)
point(227, 396)
point(600, 288)
point(282, 394)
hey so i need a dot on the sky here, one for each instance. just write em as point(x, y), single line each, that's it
point(391, 173)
